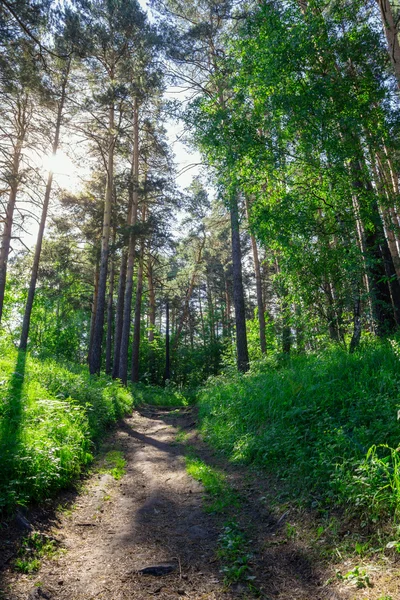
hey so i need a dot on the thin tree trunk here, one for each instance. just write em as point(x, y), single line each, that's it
point(238, 294)
point(167, 372)
point(12, 198)
point(152, 318)
point(355, 340)
point(119, 313)
point(138, 311)
point(189, 294)
point(203, 331)
point(94, 305)
point(391, 31)
point(211, 318)
point(110, 307)
point(38, 249)
point(257, 271)
point(95, 357)
point(126, 323)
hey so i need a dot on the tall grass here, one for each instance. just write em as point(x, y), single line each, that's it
point(325, 423)
point(50, 419)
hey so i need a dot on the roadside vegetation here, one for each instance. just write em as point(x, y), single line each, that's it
point(327, 424)
point(51, 418)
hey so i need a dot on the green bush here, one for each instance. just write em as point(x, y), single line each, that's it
point(312, 420)
point(50, 418)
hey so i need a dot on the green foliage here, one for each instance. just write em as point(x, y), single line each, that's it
point(357, 577)
point(170, 395)
point(113, 463)
point(326, 423)
point(221, 494)
point(234, 555)
point(33, 548)
point(50, 416)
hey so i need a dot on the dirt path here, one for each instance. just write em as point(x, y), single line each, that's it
point(154, 517)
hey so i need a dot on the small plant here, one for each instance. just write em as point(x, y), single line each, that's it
point(113, 463)
point(357, 577)
point(33, 548)
point(291, 531)
point(181, 436)
point(232, 552)
point(215, 484)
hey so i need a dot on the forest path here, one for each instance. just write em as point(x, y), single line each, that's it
point(156, 516)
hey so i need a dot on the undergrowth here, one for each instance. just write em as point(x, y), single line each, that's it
point(167, 396)
point(220, 495)
point(34, 547)
point(50, 419)
point(327, 424)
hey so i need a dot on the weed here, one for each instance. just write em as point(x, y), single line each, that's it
point(234, 555)
point(357, 577)
point(215, 484)
point(33, 548)
point(113, 463)
point(181, 436)
point(291, 531)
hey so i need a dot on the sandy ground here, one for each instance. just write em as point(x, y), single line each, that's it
point(154, 519)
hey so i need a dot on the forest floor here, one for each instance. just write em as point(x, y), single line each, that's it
point(156, 533)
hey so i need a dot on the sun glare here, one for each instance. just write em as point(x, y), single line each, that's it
point(65, 173)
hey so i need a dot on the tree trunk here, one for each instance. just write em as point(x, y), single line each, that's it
point(38, 249)
point(110, 310)
point(189, 294)
point(152, 319)
point(391, 31)
point(355, 340)
point(167, 372)
point(138, 311)
point(126, 322)
point(119, 313)
point(94, 305)
point(238, 294)
point(95, 356)
point(14, 184)
point(257, 271)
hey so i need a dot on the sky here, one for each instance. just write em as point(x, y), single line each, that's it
point(69, 174)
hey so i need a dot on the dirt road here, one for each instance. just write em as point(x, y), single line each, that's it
point(149, 536)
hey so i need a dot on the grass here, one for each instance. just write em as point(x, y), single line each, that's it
point(113, 463)
point(162, 397)
point(33, 549)
point(220, 495)
point(234, 555)
point(326, 424)
point(50, 420)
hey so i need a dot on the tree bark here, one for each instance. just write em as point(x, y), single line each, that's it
point(22, 125)
point(94, 305)
point(355, 340)
point(95, 356)
point(152, 319)
point(126, 322)
point(391, 32)
point(238, 293)
point(167, 372)
point(189, 294)
point(38, 249)
point(110, 310)
point(257, 271)
point(138, 312)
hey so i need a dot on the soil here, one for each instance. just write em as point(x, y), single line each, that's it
point(150, 535)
